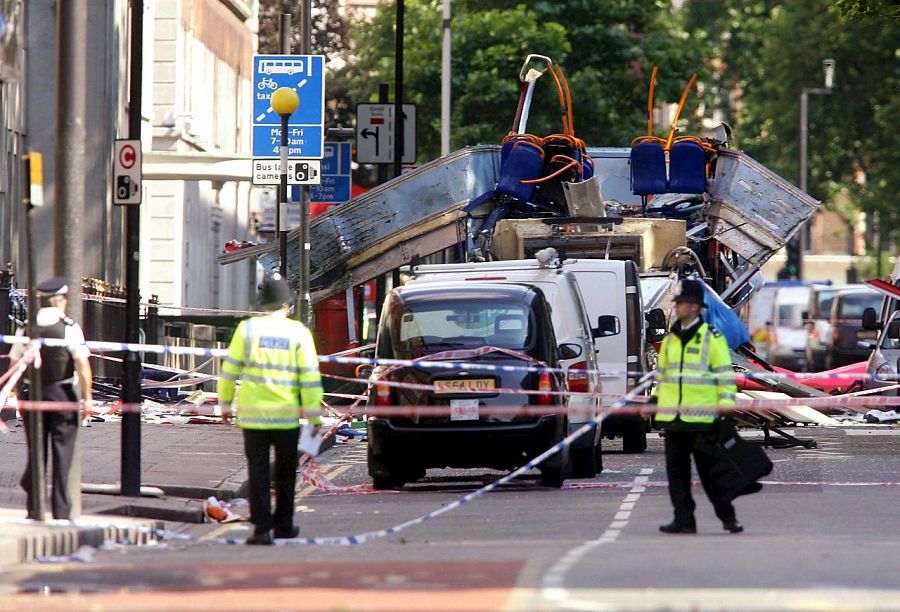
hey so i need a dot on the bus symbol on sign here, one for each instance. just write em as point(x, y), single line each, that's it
point(271, 66)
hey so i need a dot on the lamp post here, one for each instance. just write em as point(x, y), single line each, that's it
point(284, 102)
point(794, 267)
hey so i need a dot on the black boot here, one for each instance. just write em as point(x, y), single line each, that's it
point(677, 526)
point(733, 526)
point(260, 539)
point(287, 534)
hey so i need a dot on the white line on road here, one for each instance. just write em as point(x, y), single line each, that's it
point(554, 580)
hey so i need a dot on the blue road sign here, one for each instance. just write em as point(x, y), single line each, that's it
point(336, 174)
point(306, 132)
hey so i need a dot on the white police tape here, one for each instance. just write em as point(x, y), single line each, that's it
point(354, 540)
point(345, 359)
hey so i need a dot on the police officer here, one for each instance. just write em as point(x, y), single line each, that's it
point(65, 377)
point(274, 359)
point(695, 369)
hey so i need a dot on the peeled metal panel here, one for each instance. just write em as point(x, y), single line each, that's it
point(390, 210)
point(754, 211)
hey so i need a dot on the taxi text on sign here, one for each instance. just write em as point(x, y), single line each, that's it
point(306, 127)
point(127, 172)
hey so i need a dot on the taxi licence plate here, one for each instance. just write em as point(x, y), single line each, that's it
point(464, 410)
point(463, 385)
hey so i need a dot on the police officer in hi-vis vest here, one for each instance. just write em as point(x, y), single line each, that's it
point(275, 360)
point(65, 377)
point(695, 370)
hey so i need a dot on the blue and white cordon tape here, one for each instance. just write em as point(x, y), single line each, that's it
point(354, 540)
point(126, 347)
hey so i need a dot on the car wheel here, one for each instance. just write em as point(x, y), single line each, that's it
point(384, 476)
point(385, 483)
point(634, 441)
point(414, 474)
point(552, 477)
point(584, 461)
point(598, 452)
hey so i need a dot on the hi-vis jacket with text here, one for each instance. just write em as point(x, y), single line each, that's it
point(699, 373)
point(274, 358)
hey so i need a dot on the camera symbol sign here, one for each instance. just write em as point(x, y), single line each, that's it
point(127, 172)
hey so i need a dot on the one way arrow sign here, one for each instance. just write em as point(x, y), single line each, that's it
point(375, 133)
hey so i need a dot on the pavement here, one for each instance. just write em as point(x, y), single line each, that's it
point(821, 535)
point(181, 464)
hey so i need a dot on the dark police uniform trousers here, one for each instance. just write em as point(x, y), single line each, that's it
point(61, 431)
point(681, 443)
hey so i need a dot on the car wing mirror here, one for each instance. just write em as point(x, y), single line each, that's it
point(870, 320)
point(569, 350)
point(607, 325)
point(893, 330)
point(656, 325)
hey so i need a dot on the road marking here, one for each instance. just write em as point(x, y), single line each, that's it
point(330, 476)
point(872, 432)
point(554, 580)
point(222, 529)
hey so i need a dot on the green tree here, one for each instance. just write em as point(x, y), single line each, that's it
point(852, 144)
point(857, 9)
point(606, 49)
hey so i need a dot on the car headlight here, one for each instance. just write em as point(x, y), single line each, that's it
point(885, 374)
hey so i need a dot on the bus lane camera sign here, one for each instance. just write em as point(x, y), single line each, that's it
point(306, 127)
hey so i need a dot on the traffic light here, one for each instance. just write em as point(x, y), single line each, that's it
point(793, 268)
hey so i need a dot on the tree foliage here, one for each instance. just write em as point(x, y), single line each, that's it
point(773, 50)
point(882, 9)
point(606, 49)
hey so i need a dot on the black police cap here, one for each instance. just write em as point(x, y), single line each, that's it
point(691, 291)
point(58, 285)
point(274, 293)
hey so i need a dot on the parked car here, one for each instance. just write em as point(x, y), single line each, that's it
point(842, 344)
point(432, 319)
point(593, 301)
point(787, 335)
point(817, 325)
point(759, 318)
point(883, 366)
point(884, 363)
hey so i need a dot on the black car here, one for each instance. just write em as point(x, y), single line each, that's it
point(847, 329)
point(483, 323)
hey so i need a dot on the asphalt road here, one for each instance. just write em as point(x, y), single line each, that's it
point(823, 535)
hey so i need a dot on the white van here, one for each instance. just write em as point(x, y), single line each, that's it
point(596, 304)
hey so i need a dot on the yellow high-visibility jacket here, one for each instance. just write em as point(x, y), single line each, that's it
point(274, 358)
point(697, 374)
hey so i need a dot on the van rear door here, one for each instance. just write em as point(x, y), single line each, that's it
point(604, 292)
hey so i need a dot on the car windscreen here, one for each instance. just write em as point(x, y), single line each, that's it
point(824, 299)
point(790, 315)
point(853, 304)
point(425, 327)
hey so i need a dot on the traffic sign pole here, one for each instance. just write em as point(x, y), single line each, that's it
point(281, 213)
point(281, 209)
point(131, 366)
point(398, 92)
point(305, 304)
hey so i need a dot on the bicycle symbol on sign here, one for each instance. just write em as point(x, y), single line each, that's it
point(267, 83)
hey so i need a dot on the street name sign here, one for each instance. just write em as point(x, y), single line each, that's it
point(300, 171)
point(375, 133)
point(127, 172)
point(306, 126)
point(336, 174)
